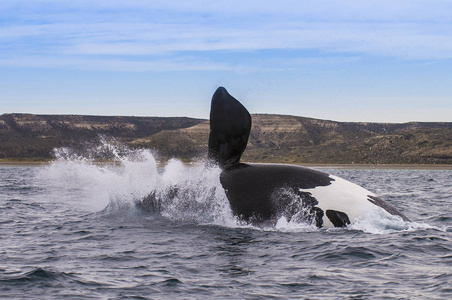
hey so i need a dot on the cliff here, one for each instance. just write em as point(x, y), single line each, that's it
point(274, 138)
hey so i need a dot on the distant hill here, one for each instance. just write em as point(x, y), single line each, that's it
point(32, 137)
point(274, 138)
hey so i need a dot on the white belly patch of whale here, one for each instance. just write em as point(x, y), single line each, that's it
point(349, 198)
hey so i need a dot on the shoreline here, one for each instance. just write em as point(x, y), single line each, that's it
point(381, 166)
point(23, 163)
point(19, 163)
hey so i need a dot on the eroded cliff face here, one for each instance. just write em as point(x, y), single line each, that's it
point(273, 138)
point(297, 139)
point(33, 137)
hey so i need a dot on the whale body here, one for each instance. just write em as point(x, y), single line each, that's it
point(259, 193)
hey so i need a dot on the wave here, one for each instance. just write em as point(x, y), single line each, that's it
point(36, 274)
point(44, 277)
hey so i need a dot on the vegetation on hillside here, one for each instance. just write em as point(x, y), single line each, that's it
point(273, 138)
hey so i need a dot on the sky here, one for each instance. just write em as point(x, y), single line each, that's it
point(368, 61)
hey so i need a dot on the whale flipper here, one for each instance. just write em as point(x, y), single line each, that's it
point(338, 218)
point(230, 125)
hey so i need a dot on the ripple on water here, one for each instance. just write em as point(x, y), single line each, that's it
point(43, 276)
point(55, 247)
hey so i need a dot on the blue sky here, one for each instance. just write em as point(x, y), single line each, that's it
point(377, 61)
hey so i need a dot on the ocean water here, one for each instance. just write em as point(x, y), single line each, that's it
point(72, 230)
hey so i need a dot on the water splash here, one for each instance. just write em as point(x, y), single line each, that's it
point(111, 177)
point(193, 194)
point(378, 222)
point(108, 176)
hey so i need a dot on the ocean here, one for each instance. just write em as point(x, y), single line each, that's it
point(71, 229)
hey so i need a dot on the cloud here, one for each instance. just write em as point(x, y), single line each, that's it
point(176, 35)
point(320, 10)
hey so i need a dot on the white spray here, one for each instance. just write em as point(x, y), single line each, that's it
point(86, 181)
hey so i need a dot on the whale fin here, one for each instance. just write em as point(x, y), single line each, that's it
point(230, 125)
point(338, 218)
point(386, 206)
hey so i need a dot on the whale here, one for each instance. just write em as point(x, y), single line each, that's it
point(260, 193)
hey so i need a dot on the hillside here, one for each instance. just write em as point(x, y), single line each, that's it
point(297, 139)
point(32, 137)
point(274, 138)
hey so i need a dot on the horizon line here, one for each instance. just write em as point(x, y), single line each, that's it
point(204, 119)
